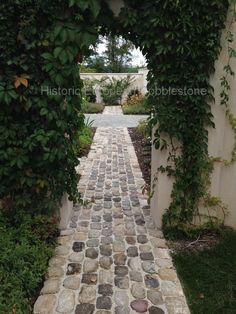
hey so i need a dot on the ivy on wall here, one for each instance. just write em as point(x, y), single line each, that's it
point(40, 44)
point(228, 72)
point(181, 41)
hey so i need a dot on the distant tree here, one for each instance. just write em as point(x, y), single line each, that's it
point(118, 53)
point(86, 69)
point(115, 59)
point(93, 61)
point(96, 62)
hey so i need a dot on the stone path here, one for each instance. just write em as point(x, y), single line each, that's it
point(114, 110)
point(111, 258)
point(115, 121)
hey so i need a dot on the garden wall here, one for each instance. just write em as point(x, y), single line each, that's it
point(139, 81)
point(65, 211)
point(221, 144)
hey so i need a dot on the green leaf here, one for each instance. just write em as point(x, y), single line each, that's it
point(47, 56)
point(57, 30)
point(63, 35)
point(71, 3)
point(13, 94)
point(57, 51)
point(83, 4)
point(95, 7)
point(43, 112)
point(63, 57)
point(88, 39)
point(58, 79)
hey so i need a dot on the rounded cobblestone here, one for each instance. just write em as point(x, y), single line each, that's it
point(87, 294)
point(72, 282)
point(121, 298)
point(139, 306)
point(66, 301)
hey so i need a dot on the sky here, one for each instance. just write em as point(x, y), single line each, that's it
point(138, 58)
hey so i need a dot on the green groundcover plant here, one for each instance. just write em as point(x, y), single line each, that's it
point(26, 242)
point(209, 276)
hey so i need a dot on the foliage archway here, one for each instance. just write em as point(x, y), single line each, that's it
point(181, 40)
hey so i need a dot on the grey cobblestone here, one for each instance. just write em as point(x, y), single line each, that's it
point(111, 258)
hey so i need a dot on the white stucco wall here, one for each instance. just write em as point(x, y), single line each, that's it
point(221, 142)
point(65, 211)
point(221, 139)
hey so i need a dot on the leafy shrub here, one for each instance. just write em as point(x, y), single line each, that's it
point(90, 95)
point(112, 89)
point(84, 139)
point(88, 107)
point(134, 92)
point(26, 242)
point(136, 104)
point(145, 129)
point(88, 90)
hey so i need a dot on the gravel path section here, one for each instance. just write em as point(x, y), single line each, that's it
point(113, 117)
point(115, 121)
point(114, 110)
point(111, 259)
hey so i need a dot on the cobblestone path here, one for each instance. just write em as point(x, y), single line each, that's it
point(111, 258)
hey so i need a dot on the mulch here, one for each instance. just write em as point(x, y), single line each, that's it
point(143, 151)
point(199, 244)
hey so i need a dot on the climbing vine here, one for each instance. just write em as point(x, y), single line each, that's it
point(228, 71)
point(181, 41)
point(41, 44)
